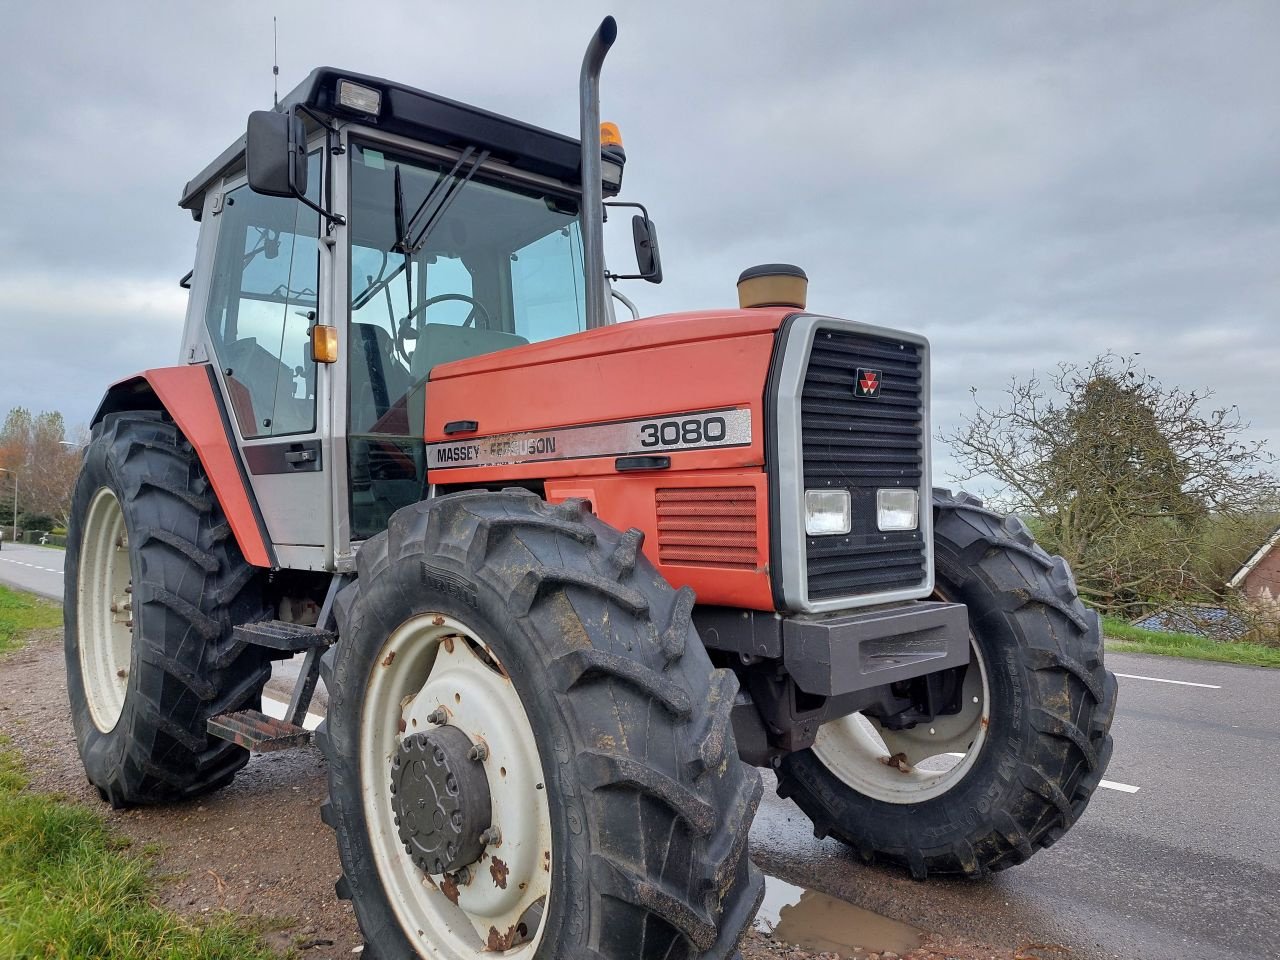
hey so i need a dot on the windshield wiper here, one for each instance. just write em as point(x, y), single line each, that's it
point(455, 185)
point(400, 244)
point(445, 189)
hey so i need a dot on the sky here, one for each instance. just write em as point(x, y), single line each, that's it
point(1025, 184)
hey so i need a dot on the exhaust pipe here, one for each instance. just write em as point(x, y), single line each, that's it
point(599, 312)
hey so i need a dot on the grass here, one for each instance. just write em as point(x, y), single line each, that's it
point(20, 613)
point(1125, 638)
point(69, 888)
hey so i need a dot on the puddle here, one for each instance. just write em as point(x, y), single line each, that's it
point(815, 921)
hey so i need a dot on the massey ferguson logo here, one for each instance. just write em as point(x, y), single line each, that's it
point(867, 386)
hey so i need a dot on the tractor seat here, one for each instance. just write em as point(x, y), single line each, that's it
point(378, 378)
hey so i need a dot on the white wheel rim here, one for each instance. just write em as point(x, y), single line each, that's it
point(431, 661)
point(104, 605)
point(937, 755)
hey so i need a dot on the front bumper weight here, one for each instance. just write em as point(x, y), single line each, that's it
point(844, 653)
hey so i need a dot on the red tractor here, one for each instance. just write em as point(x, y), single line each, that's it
point(566, 580)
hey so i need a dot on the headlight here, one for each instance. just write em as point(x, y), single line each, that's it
point(897, 509)
point(826, 512)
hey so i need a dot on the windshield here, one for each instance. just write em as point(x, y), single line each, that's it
point(444, 265)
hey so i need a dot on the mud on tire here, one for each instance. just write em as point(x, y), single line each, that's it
point(650, 806)
point(190, 585)
point(1051, 705)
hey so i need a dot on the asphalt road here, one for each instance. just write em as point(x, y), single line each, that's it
point(37, 569)
point(1177, 857)
point(1188, 866)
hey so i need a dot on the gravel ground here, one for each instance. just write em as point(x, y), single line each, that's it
point(257, 849)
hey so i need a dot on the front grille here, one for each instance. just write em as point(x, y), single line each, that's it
point(861, 445)
point(708, 527)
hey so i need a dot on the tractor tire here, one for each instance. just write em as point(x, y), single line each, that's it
point(611, 770)
point(154, 583)
point(1034, 752)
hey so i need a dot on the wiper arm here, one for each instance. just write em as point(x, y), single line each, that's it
point(456, 184)
point(405, 242)
point(400, 242)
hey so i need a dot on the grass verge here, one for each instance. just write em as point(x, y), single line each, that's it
point(1125, 638)
point(69, 888)
point(20, 613)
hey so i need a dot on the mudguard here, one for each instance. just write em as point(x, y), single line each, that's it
point(189, 394)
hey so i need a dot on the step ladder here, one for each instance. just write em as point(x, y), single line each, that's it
point(253, 729)
point(282, 640)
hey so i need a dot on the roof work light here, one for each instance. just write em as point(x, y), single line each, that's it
point(361, 99)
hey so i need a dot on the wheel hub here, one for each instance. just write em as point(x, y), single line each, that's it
point(440, 798)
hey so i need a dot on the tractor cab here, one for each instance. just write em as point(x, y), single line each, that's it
point(359, 236)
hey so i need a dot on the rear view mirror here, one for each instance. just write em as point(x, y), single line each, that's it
point(648, 260)
point(276, 154)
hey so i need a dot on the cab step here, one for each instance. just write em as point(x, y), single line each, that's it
point(283, 638)
point(256, 731)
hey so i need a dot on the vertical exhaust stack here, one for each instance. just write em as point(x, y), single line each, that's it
point(599, 313)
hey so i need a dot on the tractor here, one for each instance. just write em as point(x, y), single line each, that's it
point(568, 578)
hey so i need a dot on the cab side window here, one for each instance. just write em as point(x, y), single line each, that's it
point(262, 305)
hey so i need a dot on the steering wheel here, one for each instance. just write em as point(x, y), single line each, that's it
point(406, 331)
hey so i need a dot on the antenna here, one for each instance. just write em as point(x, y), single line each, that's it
point(275, 64)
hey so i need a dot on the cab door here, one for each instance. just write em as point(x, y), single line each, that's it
point(265, 280)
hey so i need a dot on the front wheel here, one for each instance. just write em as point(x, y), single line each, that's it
point(1011, 770)
point(529, 751)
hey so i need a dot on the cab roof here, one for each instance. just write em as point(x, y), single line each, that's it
point(421, 116)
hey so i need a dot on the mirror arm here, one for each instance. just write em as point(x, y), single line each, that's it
point(628, 276)
point(330, 131)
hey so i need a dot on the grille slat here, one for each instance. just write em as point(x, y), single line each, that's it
point(708, 526)
point(860, 445)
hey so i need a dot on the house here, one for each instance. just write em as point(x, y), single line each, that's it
point(1259, 578)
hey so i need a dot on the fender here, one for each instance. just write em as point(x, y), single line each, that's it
point(191, 397)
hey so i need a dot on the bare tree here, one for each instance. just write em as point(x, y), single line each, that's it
point(1133, 482)
point(35, 449)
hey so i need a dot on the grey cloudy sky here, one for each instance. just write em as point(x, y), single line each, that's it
point(1024, 183)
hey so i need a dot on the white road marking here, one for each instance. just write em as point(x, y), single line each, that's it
point(1181, 683)
point(278, 708)
point(1122, 787)
point(1109, 784)
point(31, 565)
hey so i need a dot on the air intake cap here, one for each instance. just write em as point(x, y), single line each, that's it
point(773, 285)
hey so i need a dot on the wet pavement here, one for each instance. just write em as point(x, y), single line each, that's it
point(816, 921)
point(1186, 866)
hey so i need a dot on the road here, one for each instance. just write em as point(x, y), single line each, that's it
point(37, 569)
point(1178, 857)
point(1186, 866)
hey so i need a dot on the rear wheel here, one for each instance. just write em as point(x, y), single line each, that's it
point(529, 751)
point(154, 583)
point(1013, 769)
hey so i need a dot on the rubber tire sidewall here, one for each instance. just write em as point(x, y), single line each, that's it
point(102, 753)
point(381, 610)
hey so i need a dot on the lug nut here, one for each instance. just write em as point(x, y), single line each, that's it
point(491, 837)
point(480, 753)
point(463, 876)
point(438, 716)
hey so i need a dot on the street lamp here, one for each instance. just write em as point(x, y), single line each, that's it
point(15, 501)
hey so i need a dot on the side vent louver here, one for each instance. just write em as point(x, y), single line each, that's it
point(708, 527)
